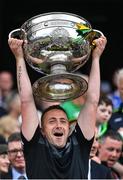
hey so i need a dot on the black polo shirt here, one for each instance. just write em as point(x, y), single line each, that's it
point(45, 161)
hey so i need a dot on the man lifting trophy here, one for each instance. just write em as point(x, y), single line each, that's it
point(57, 44)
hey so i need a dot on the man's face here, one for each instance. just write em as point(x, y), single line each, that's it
point(6, 81)
point(4, 163)
point(110, 151)
point(16, 155)
point(104, 113)
point(55, 127)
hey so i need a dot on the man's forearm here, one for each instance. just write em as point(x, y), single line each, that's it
point(23, 81)
point(93, 92)
point(119, 168)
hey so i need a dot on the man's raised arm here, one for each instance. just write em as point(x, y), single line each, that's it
point(87, 116)
point(28, 109)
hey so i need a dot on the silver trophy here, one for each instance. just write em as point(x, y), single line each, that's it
point(57, 44)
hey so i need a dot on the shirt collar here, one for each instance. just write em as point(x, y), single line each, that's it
point(16, 174)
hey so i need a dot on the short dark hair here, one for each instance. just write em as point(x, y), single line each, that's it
point(58, 107)
point(111, 134)
point(14, 137)
point(105, 99)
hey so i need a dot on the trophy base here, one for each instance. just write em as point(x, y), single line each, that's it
point(59, 87)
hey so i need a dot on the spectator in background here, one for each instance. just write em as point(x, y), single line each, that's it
point(110, 148)
point(116, 121)
point(8, 127)
point(96, 169)
point(104, 113)
point(6, 90)
point(117, 95)
point(4, 160)
point(16, 157)
point(10, 123)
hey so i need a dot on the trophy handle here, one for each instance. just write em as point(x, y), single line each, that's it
point(92, 35)
point(97, 34)
point(18, 33)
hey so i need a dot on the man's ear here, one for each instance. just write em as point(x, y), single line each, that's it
point(42, 131)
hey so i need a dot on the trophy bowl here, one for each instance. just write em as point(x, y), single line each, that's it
point(57, 44)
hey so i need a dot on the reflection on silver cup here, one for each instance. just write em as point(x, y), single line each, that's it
point(57, 44)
